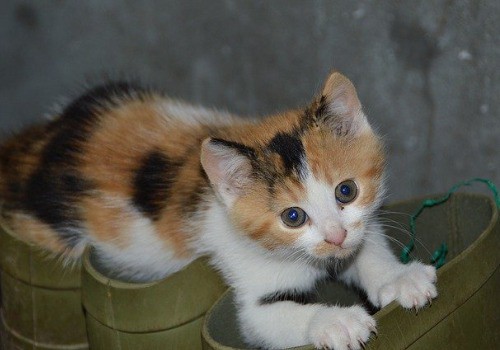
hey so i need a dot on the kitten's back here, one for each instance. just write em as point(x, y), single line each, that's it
point(108, 163)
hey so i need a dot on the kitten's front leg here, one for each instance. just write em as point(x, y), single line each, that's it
point(341, 328)
point(384, 278)
point(413, 287)
point(285, 324)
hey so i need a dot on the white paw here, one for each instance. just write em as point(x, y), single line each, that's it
point(414, 287)
point(341, 328)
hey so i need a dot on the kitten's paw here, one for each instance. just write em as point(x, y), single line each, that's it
point(341, 328)
point(413, 288)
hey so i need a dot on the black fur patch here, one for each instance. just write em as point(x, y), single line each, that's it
point(54, 188)
point(322, 109)
point(51, 197)
point(11, 155)
point(307, 121)
point(306, 297)
point(65, 146)
point(152, 182)
point(81, 116)
point(291, 151)
point(192, 199)
point(14, 188)
point(242, 149)
point(203, 174)
point(101, 97)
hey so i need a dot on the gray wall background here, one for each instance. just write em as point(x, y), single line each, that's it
point(427, 72)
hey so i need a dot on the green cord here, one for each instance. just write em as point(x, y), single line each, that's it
point(439, 256)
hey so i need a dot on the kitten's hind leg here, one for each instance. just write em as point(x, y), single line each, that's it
point(65, 242)
point(128, 245)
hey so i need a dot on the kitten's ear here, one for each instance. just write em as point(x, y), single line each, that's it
point(228, 167)
point(339, 107)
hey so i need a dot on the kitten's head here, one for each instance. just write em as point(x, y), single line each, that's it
point(306, 182)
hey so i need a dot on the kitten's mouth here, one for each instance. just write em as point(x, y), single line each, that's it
point(344, 253)
point(328, 251)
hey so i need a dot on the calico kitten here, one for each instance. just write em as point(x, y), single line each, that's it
point(153, 184)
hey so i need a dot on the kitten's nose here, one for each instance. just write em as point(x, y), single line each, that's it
point(336, 237)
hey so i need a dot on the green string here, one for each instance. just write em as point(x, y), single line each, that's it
point(439, 256)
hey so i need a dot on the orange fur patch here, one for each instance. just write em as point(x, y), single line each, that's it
point(255, 217)
point(107, 219)
point(357, 225)
point(32, 230)
point(325, 249)
point(335, 159)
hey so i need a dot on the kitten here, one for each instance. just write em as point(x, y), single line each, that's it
point(153, 184)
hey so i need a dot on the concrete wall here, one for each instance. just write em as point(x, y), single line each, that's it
point(427, 72)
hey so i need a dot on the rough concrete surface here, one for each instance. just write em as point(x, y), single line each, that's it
point(427, 72)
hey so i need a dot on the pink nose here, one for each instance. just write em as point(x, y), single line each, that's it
point(336, 237)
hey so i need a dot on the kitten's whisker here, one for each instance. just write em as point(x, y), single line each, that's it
point(399, 224)
point(377, 222)
point(298, 256)
point(397, 228)
point(388, 237)
point(400, 244)
point(400, 230)
point(382, 211)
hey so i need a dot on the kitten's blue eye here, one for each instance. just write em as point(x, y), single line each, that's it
point(346, 191)
point(294, 217)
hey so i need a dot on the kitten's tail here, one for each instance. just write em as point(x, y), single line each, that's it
point(19, 156)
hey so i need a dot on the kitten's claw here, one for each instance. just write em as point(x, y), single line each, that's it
point(415, 306)
point(362, 343)
point(429, 298)
point(373, 330)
